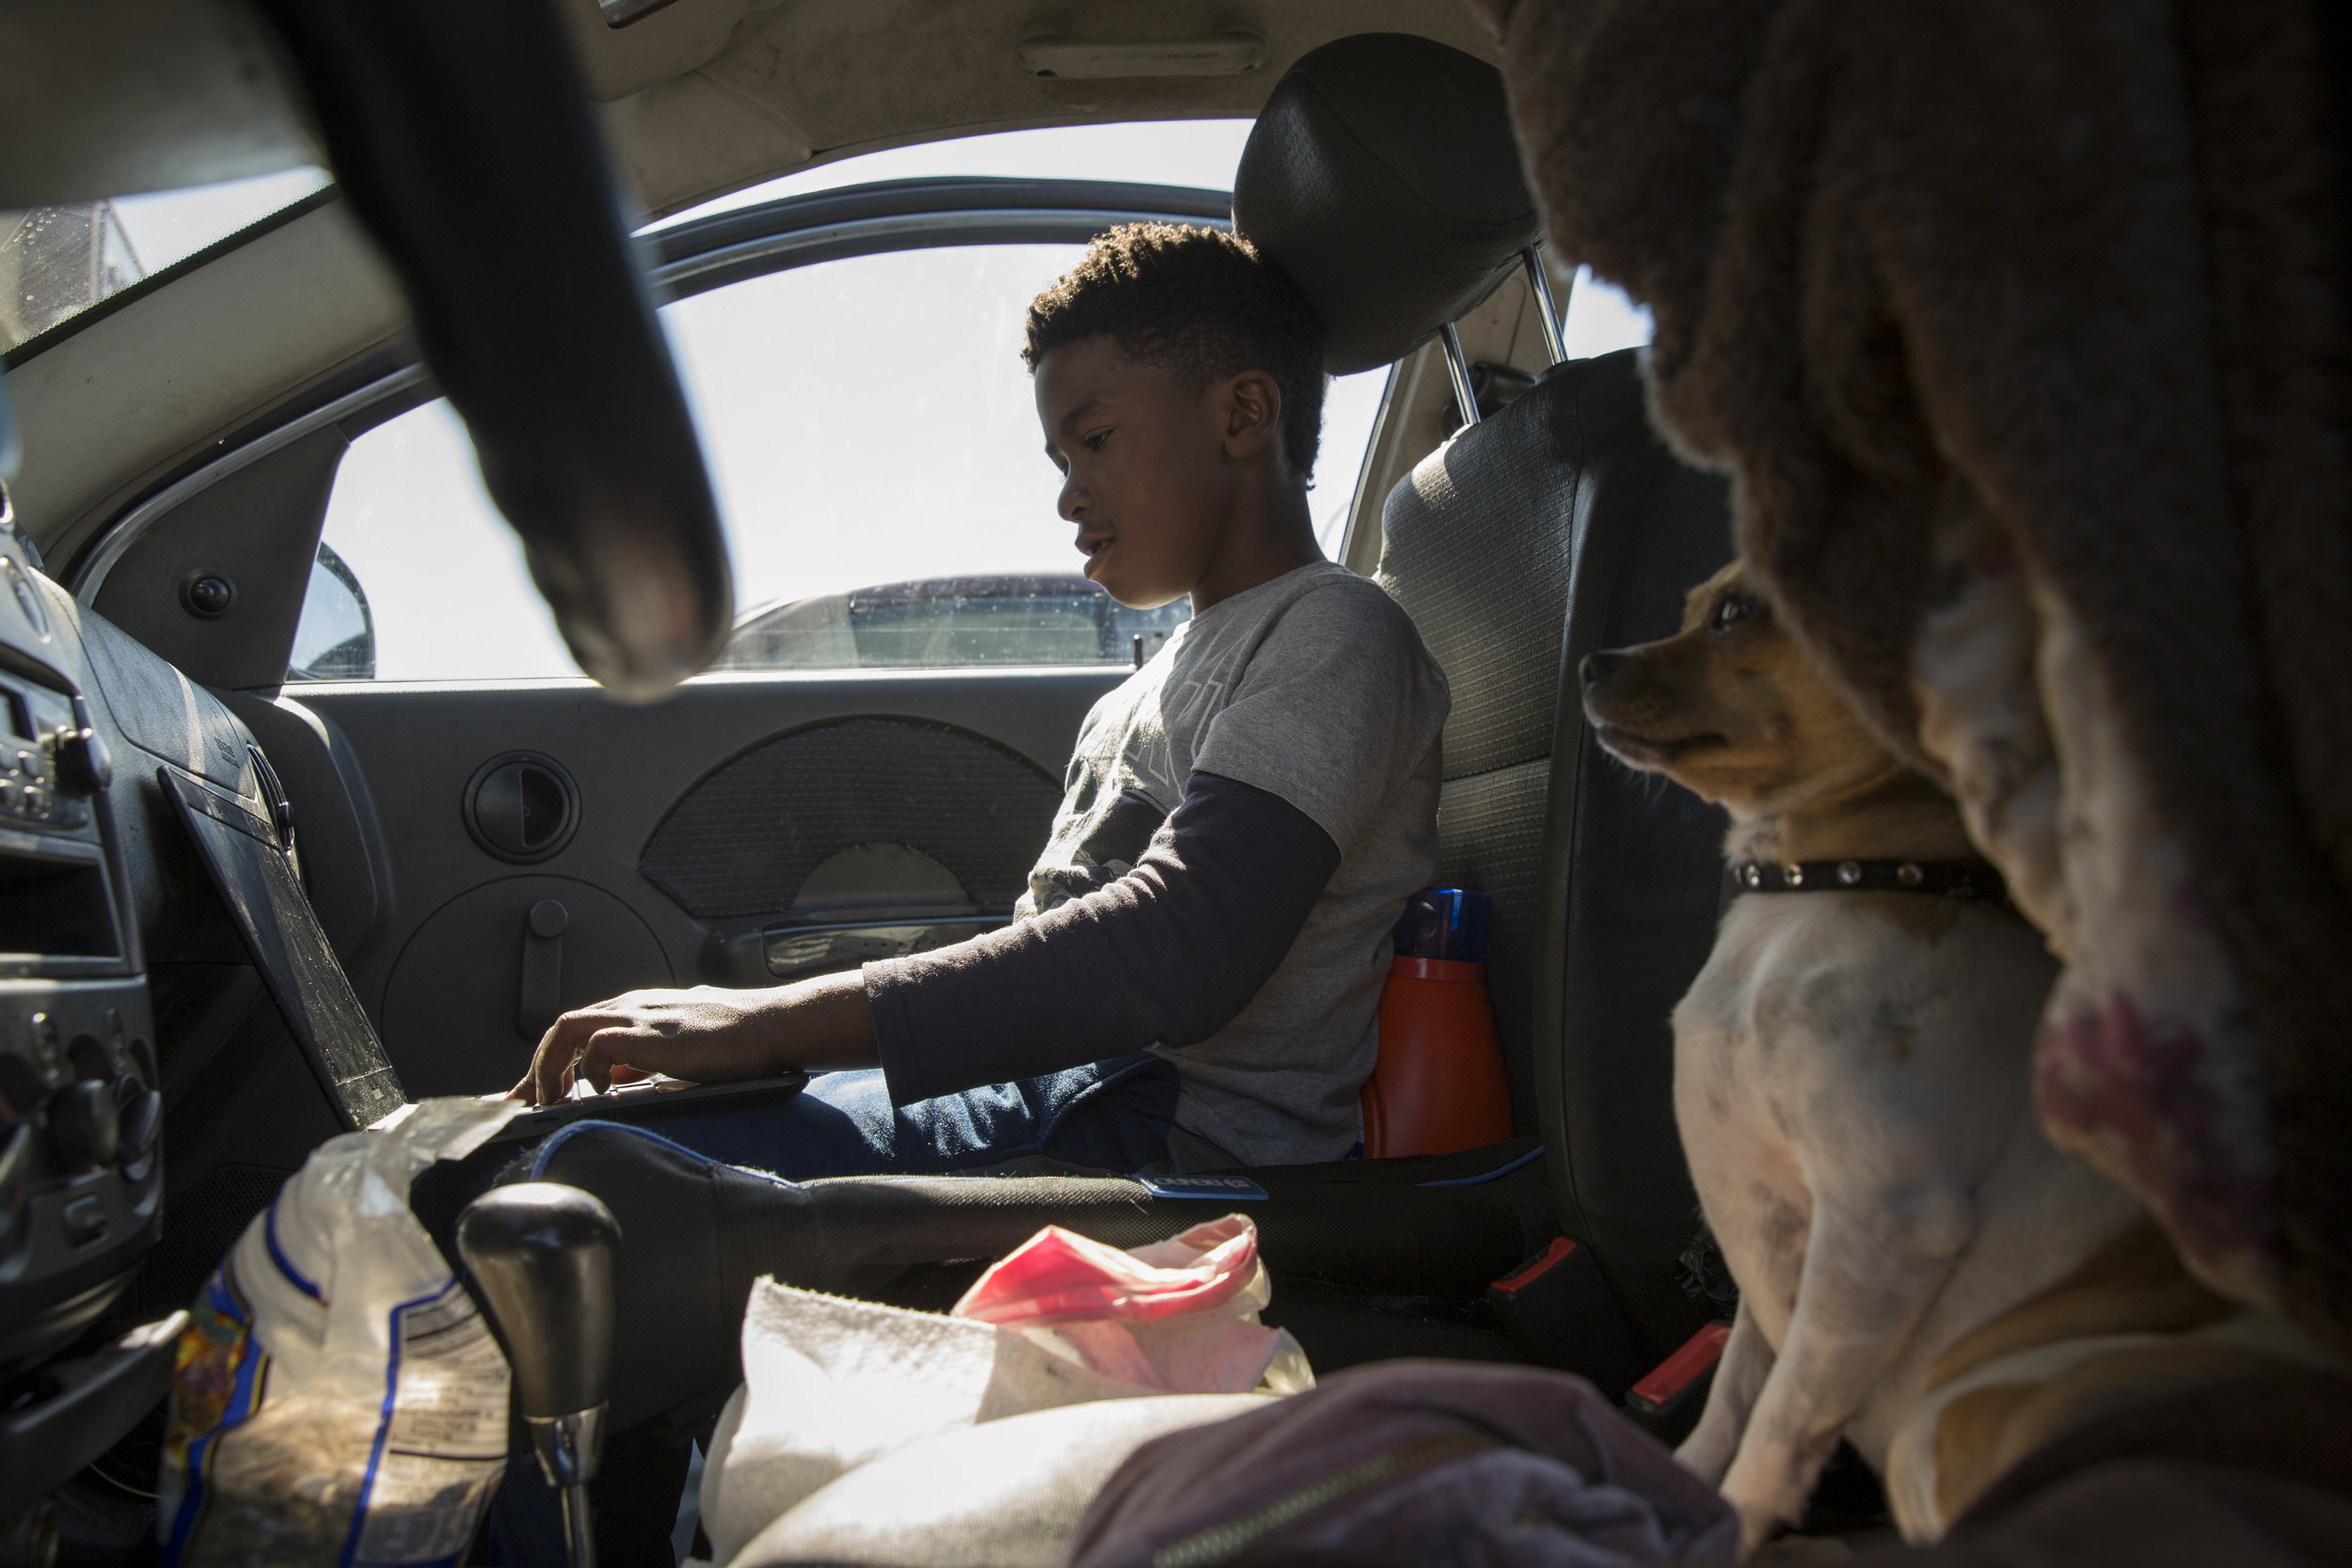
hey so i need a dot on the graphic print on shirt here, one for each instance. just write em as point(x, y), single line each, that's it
point(1124, 780)
point(1114, 841)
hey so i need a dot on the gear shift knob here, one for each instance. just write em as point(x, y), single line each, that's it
point(542, 1257)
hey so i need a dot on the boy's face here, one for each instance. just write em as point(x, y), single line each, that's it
point(1149, 467)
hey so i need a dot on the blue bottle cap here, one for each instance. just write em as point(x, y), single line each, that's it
point(1445, 922)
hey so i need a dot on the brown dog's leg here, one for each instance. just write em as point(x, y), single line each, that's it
point(1738, 1379)
point(1872, 1265)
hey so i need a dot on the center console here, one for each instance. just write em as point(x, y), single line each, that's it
point(80, 1114)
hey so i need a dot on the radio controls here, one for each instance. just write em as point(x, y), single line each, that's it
point(83, 765)
point(84, 1132)
point(40, 1034)
point(16, 1162)
point(33, 790)
point(83, 1220)
point(138, 1117)
point(40, 789)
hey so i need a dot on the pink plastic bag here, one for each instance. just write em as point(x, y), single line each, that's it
point(1179, 1316)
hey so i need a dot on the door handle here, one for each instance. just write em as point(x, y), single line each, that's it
point(537, 1003)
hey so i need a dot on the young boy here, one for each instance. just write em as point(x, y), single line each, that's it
point(1194, 974)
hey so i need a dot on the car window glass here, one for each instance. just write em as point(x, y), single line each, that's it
point(336, 637)
point(1600, 318)
point(57, 261)
point(874, 447)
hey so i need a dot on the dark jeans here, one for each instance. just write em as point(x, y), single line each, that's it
point(1112, 1116)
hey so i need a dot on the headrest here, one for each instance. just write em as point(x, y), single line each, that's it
point(1383, 180)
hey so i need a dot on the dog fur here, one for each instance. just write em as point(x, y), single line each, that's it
point(2034, 317)
point(1851, 1077)
point(2126, 1332)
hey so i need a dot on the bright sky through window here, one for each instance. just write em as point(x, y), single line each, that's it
point(867, 420)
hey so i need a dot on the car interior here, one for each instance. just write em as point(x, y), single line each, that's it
point(254, 905)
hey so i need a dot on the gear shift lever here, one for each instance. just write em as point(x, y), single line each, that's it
point(543, 1256)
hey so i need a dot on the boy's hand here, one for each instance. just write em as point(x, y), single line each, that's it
point(707, 1035)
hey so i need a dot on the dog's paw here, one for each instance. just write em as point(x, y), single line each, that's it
point(1755, 1528)
point(1763, 1500)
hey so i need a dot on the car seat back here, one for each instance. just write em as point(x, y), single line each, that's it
point(1558, 525)
point(1561, 525)
point(1382, 180)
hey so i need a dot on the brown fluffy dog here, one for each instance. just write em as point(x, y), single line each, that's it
point(1849, 1067)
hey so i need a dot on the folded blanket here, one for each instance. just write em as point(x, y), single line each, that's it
point(1411, 1462)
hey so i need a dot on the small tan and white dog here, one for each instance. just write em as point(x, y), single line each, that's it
point(1852, 1076)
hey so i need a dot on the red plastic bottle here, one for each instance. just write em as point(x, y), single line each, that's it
point(1440, 1085)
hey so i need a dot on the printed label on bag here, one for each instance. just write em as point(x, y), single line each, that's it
point(258, 1473)
point(215, 1384)
point(445, 1446)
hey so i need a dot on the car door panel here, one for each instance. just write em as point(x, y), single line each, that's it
point(825, 803)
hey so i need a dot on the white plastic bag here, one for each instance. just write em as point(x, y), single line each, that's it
point(831, 1385)
point(337, 1397)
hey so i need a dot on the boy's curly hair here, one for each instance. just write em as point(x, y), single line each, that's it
point(1198, 302)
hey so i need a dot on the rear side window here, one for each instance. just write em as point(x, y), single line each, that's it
point(998, 618)
point(874, 441)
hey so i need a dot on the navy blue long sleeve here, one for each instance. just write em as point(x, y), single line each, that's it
point(1167, 955)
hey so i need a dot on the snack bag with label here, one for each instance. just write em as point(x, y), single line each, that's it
point(337, 1397)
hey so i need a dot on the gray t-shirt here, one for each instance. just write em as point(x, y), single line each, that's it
point(1314, 687)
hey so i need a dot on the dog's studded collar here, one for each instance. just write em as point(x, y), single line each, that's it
point(1968, 879)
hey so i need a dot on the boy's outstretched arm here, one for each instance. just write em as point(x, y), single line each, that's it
point(1167, 953)
point(708, 1035)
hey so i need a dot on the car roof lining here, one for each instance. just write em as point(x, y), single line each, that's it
point(148, 388)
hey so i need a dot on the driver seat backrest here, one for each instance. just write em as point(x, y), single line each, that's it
point(1562, 524)
point(1396, 147)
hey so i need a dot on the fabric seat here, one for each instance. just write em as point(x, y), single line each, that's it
point(1562, 524)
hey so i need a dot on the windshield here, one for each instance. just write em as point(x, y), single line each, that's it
point(55, 263)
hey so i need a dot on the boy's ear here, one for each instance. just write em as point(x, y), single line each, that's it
point(1253, 416)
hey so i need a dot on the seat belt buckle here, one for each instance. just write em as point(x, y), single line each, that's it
point(1667, 1401)
point(1560, 1312)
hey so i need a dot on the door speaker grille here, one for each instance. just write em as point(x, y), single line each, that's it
point(745, 837)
